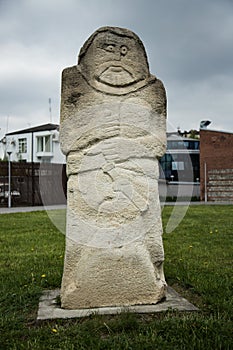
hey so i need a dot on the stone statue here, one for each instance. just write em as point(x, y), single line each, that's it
point(113, 129)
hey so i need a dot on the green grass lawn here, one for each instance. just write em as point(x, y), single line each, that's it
point(198, 265)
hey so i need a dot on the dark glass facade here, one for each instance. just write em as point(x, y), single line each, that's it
point(183, 144)
point(181, 161)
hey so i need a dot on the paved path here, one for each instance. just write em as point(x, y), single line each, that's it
point(63, 206)
point(28, 209)
point(197, 203)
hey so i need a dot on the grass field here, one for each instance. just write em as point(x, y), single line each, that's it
point(198, 265)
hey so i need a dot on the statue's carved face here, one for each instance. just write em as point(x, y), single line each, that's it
point(113, 61)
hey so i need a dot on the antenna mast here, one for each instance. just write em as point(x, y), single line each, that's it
point(50, 109)
point(7, 123)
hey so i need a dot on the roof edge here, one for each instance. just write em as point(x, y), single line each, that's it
point(42, 127)
point(222, 131)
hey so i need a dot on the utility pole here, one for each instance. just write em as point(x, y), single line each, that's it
point(33, 171)
point(9, 179)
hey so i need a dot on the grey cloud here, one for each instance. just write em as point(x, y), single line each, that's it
point(189, 45)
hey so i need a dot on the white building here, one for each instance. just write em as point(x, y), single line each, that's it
point(36, 144)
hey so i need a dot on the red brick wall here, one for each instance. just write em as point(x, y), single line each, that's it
point(216, 150)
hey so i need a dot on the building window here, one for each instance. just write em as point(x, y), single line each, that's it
point(23, 145)
point(177, 165)
point(44, 143)
point(187, 144)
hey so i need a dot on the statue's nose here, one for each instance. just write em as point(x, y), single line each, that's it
point(118, 55)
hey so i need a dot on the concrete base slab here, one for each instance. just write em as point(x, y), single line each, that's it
point(49, 309)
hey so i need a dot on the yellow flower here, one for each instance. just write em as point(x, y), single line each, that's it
point(43, 276)
point(54, 330)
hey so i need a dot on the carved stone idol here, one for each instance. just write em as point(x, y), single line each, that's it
point(113, 129)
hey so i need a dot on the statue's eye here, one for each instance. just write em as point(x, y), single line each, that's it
point(110, 48)
point(124, 50)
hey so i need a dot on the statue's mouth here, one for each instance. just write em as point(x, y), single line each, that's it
point(116, 76)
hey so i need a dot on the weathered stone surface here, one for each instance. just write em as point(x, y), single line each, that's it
point(113, 129)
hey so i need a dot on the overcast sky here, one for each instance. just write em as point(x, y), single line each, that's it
point(189, 45)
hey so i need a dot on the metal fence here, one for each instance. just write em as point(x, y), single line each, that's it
point(33, 183)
